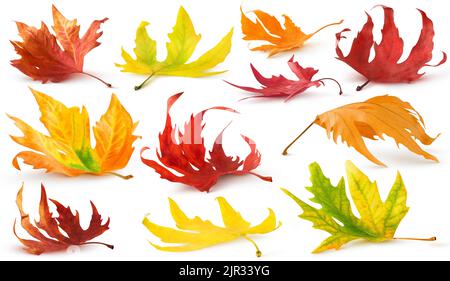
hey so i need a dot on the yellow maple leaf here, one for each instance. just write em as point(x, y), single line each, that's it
point(182, 44)
point(195, 233)
point(67, 149)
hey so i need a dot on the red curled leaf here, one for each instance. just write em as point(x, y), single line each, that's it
point(47, 57)
point(385, 67)
point(185, 154)
point(47, 232)
point(280, 86)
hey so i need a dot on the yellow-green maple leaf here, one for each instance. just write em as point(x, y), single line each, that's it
point(183, 41)
point(378, 220)
point(195, 233)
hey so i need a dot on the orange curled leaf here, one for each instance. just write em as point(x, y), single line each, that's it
point(279, 38)
point(58, 233)
point(372, 119)
point(47, 57)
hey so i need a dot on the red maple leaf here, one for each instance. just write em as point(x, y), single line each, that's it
point(385, 66)
point(46, 57)
point(185, 153)
point(280, 86)
point(54, 239)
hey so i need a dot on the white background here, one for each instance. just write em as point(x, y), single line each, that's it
point(271, 123)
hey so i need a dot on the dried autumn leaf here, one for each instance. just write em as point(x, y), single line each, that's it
point(268, 28)
point(194, 234)
point(378, 116)
point(58, 233)
point(67, 149)
point(185, 153)
point(378, 220)
point(182, 44)
point(384, 67)
point(280, 86)
point(47, 57)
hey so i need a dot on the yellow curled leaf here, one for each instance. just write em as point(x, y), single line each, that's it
point(196, 233)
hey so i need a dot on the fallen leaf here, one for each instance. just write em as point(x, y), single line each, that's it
point(378, 116)
point(182, 44)
point(47, 57)
point(280, 86)
point(194, 234)
point(268, 28)
point(384, 67)
point(378, 220)
point(53, 234)
point(67, 149)
point(185, 153)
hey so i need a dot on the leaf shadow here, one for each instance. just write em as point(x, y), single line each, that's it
point(404, 158)
point(40, 176)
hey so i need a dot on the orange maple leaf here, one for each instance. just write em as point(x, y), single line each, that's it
point(268, 28)
point(47, 57)
point(67, 148)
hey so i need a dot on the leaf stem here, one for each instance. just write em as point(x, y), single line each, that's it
point(264, 178)
point(126, 177)
point(98, 243)
point(258, 252)
point(360, 87)
point(325, 26)
point(136, 88)
point(285, 151)
point(416, 239)
point(98, 78)
point(332, 79)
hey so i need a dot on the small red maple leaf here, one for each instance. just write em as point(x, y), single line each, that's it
point(57, 233)
point(280, 86)
point(185, 153)
point(46, 57)
point(385, 67)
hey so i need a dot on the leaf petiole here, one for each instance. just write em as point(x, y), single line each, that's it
point(325, 26)
point(126, 177)
point(98, 243)
point(285, 151)
point(416, 239)
point(258, 252)
point(332, 79)
point(136, 88)
point(97, 78)
point(360, 87)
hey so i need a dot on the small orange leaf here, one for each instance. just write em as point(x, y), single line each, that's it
point(268, 28)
